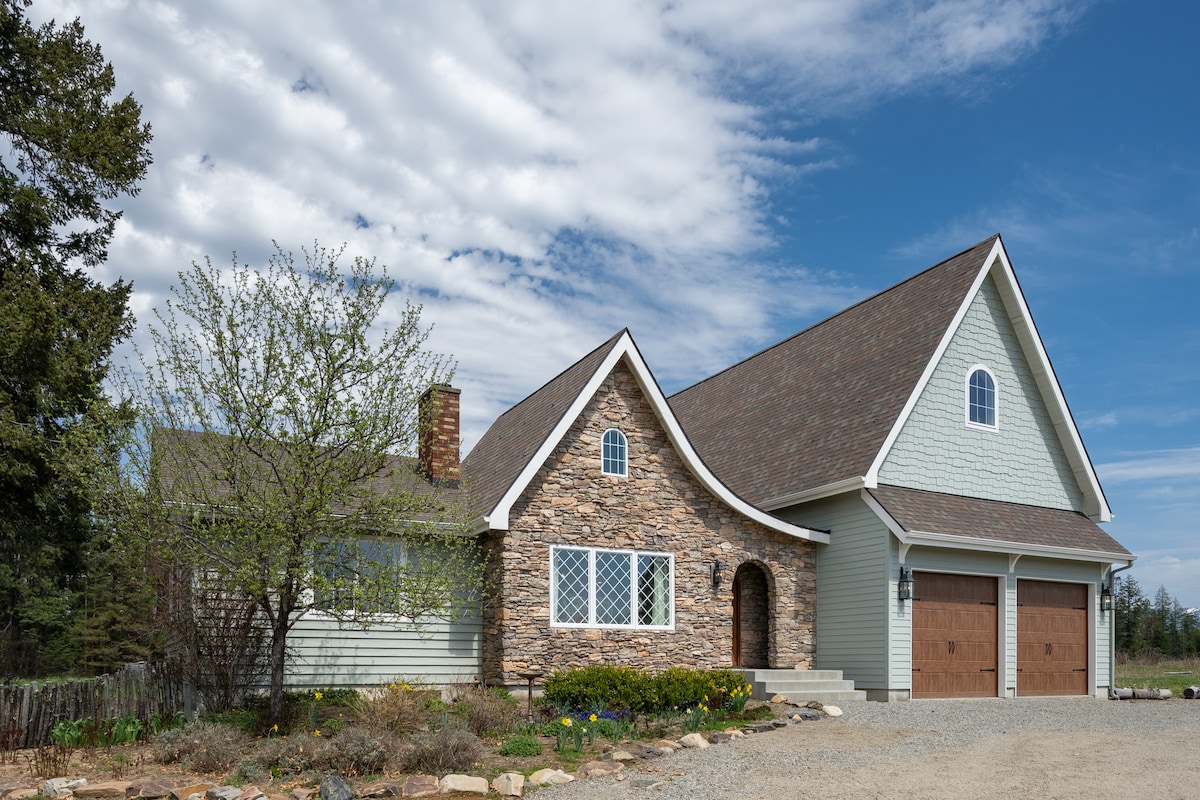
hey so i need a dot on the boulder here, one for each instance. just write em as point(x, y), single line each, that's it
point(62, 787)
point(20, 794)
point(720, 737)
point(222, 793)
point(509, 784)
point(462, 783)
point(152, 789)
point(187, 790)
point(335, 788)
point(695, 740)
point(550, 777)
point(251, 793)
point(779, 698)
point(300, 793)
point(832, 711)
point(380, 790)
point(419, 786)
point(105, 789)
point(593, 768)
point(666, 744)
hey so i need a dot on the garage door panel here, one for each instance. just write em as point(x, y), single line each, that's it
point(1052, 638)
point(954, 636)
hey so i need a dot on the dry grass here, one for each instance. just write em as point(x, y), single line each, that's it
point(399, 707)
point(1155, 672)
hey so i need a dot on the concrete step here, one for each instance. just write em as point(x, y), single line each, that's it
point(801, 686)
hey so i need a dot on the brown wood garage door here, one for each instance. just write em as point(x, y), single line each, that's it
point(954, 635)
point(1052, 642)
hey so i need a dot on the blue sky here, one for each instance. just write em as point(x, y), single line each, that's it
point(716, 176)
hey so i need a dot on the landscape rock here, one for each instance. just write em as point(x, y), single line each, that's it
point(805, 714)
point(420, 786)
point(779, 698)
point(152, 789)
point(832, 711)
point(758, 727)
point(335, 788)
point(104, 789)
point(694, 740)
point(666, 744)
point(720, 737)
point(463, 783)
point(251, 793)
point(550, 777)
point(187, 790)
point(61, 787)
point(380, 790)
point(509, 784)
point(20, 794)
point(593, 768)
point(622, 755)
point(222, 792)
point(300, 793)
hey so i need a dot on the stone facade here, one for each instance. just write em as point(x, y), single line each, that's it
point(659, 507)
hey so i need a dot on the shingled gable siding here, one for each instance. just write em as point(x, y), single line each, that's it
point(1019, 462)
point(660, 507)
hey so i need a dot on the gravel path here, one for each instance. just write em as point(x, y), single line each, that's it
point(1026, 749)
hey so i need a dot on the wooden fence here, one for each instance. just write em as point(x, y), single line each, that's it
point(29, 711)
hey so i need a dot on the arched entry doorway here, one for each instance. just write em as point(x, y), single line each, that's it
point(751, 618)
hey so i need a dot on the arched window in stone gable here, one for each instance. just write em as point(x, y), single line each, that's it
point(614, 455)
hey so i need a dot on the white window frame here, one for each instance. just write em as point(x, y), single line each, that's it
point(995, 399)
point(633, 589)
point(359, 543)
point(624, 473)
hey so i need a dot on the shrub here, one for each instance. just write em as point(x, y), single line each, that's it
point(485, 711)
point(678, 687)
point(200, 747)
point(447, 750)
point(397, 707)
point(598, 685)
point(520, 745)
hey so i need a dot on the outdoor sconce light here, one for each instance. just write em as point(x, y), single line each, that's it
point(906, 584)
point(718, 570)
point(1106, 598)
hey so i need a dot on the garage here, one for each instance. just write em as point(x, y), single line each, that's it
point(954, 635)
point(1052, 641)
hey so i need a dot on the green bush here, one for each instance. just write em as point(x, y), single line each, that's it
point(598, 686)
point(520, 745)
point(626, 689)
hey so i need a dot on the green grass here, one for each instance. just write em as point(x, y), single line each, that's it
point(1150, 673)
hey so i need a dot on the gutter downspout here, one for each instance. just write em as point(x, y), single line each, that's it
point(1112, 633)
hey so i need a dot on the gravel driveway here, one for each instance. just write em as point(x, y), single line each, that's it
point(1027, 749)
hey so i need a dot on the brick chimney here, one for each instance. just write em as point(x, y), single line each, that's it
point(437, 456)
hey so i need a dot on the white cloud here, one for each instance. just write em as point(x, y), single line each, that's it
point(541, 174)
point(1169, 466)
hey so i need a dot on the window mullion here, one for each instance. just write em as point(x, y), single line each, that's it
point(634, 611)
point(591, 587)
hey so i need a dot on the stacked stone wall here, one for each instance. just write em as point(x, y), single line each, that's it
point(659, 507)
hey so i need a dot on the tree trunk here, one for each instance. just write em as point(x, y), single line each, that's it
point(279, 632)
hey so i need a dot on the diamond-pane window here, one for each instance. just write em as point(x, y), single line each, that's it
point(571, 568)
point(595, 587)
point(612, 589)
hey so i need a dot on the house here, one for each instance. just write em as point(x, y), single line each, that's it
point(898, 493)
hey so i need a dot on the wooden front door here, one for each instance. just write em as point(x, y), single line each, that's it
point(954, 635)
point(751, 618)
point(1052, 640)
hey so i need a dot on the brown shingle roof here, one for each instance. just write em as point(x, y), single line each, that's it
point(816, 408)
point(932, 512)
point(496, 461)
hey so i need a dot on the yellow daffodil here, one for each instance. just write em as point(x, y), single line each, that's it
point(275, 727)
point(592, 718)
point(317, 695)
point(317, 732)
point(566, 721)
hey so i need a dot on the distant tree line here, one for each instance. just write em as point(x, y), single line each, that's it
point(1148, 627)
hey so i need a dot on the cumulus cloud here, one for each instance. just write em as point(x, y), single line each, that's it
point(538, 174)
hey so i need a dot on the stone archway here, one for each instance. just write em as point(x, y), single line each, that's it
point(751, 618)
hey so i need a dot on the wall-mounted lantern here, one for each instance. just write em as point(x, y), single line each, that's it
point(905, 585)
point(718, 572)
point(1106, 598)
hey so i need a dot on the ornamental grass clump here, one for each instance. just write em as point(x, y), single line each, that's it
point(399, 706)
point(443, 751)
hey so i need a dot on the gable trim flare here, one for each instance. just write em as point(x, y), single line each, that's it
point(624, 349)
point(998, 266)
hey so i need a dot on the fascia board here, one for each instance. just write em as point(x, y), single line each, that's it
point(626, 349)
point(871, 479)
point(691, 458)
point(828, 490)
point(947, 540)
point(1051, 389)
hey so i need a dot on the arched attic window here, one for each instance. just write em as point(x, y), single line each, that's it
point(981, 398)
point(614, 453)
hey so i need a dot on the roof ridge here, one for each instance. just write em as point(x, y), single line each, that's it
point(988, 241)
